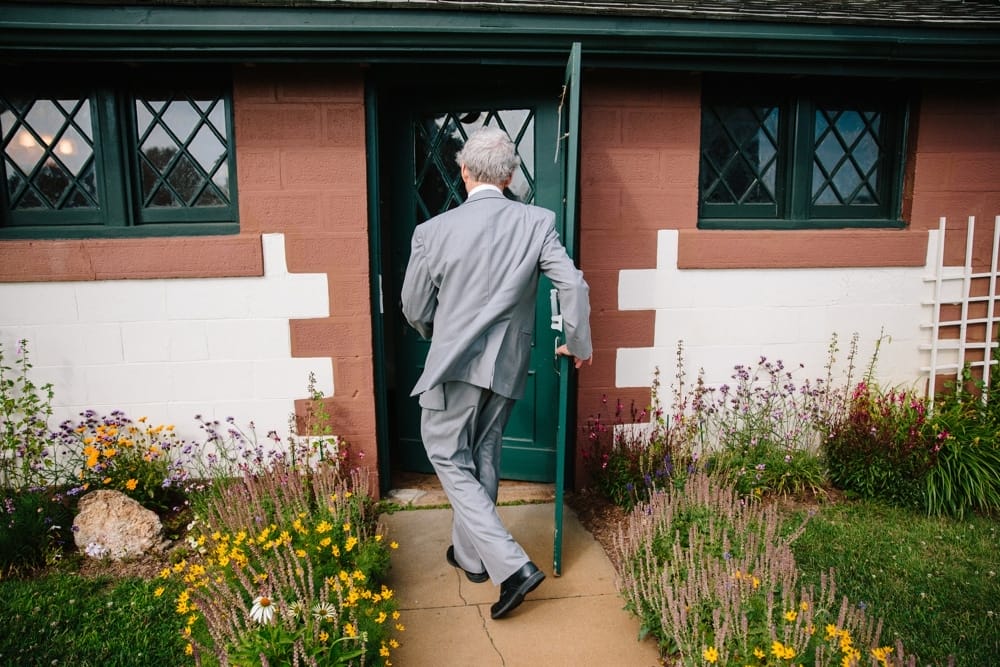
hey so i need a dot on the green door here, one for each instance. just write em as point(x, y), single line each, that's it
point(419, 136)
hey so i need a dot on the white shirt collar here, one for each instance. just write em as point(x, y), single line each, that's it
point(484, 186)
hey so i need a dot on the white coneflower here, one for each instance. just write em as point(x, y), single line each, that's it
point(295, 610)
point(262, 610)
point(324, 611)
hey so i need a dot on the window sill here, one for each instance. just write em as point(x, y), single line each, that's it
point(799, 249)
point(138, 258)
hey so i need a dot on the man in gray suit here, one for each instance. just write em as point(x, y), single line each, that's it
point(470, 287)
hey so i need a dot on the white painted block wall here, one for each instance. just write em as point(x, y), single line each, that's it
point(171, 349)
point(734, 316)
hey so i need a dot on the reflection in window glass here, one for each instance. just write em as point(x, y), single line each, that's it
point(48, 153)
point(739, 154)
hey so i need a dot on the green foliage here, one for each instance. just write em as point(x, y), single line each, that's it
point(883, 447)
point(966, 478)
point(966, 474)
point(769, 468)
point(761, 435)
point(891, 445)
point(935, 581)
point(35, 527)
point(64, 618)
point(24, 411)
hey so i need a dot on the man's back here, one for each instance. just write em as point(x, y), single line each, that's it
point(479, 266)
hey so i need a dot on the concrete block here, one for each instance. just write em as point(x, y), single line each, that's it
point(121, 385)
point(294, 295)
point(634, 367)
point(255, 417)
point(211, 380)
point(278, 378)
point(37, 303)
point(273, 248)
point(144, 342)
point(249, 339)
point(102, 343)
point(210, 298)
point(69, 389)
point(121, 300)
point(641, 289)
point(279, 124)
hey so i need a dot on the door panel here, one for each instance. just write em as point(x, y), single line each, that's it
point(420, 136)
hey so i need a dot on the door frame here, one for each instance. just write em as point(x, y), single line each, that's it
point(381, 86)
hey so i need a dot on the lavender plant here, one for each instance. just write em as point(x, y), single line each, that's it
point(714, 580)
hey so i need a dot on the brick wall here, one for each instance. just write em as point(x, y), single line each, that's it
point(956, 174)
point(301, 133)
point(638, 174)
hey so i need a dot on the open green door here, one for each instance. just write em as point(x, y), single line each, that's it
point(421, 127)
point(567, 149)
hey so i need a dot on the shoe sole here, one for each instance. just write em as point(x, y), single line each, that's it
point(476, 578)
point(530, 584)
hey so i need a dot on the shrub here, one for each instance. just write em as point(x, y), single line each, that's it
point(714, 580)
point(882, 447)
point(35, 528)
point(965, 476)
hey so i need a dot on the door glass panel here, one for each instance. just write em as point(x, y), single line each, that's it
point(439, 137)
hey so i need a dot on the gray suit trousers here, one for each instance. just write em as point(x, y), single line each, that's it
point(463, 443)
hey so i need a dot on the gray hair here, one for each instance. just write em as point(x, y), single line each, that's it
point(489, 155)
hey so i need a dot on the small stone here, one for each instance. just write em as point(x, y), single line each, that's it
point(109, 524)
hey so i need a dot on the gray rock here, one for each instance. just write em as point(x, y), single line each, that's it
point(109, 524)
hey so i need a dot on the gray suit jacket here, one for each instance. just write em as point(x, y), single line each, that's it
point(471, 285)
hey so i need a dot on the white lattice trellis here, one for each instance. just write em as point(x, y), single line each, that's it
point(952, 285)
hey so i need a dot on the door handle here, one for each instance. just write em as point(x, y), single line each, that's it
point(557, 318)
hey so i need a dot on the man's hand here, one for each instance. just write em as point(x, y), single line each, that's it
point(562, 350)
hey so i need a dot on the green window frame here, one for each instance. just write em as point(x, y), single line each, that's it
point(133, 152)
point(801, 153)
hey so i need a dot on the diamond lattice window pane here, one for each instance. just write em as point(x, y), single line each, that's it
point(183, 152)
point(739, 155)
point(847, 151)
point(48, 152)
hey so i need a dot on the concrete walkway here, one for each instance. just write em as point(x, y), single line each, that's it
point(573, 620)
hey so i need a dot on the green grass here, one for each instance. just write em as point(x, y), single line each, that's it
point(935, 582)
point(66, 619)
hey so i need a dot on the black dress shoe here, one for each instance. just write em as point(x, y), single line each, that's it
point(515, 587)
point(474, 577)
